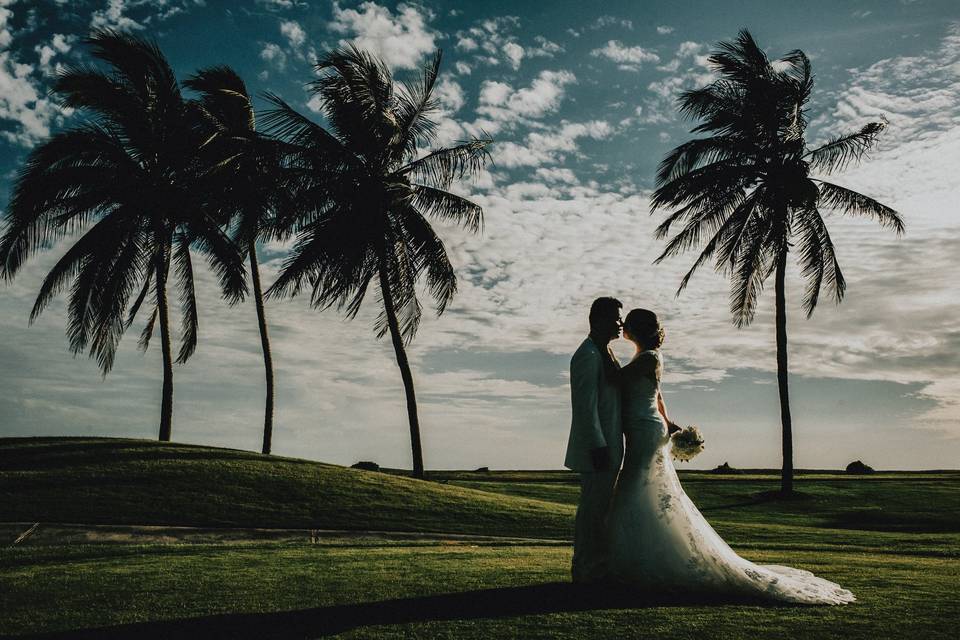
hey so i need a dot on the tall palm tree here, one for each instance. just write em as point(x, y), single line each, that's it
point(125, 178)
point(749, 191)
point(364, 194)
point(246, 167)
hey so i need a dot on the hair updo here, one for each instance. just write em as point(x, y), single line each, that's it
point(644, 326)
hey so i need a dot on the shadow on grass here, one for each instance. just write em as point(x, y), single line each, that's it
point(554, 597)
point(759, 498)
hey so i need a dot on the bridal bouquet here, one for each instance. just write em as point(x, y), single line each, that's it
point(687, 443)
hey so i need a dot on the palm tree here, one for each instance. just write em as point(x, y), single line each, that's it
point(246, 167)
point(364, 196)
point(748, 189)
point(126, 179)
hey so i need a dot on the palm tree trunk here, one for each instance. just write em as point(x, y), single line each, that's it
point(786, 477)
point(166, 402)
point(265, 344)
point(404, 370)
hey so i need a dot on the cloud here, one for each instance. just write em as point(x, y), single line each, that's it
point(544, 49)
point(917, 94)
point(502, 105)
point(450, 95)
point(274, 54)
point(402, 39)
point(60, 44)
point(112, 17)
point(690, 68)
point(556, 174)
point(277, 4)
point(549, 146)
point(294, 33)
point(491, 42)
point(628, 58)
point(605, 21)
point(664, 29)
point(513, 53)
point(117, 13)
point(23, 99)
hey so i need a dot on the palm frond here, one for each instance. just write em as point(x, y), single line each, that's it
point(753, 264)
point(818, 261)
point(449, 207)
point(123, 270)
point(139, 62)
point(188, 299)
point(224, 97)
point(415, 103)
point(429, 255)
point(401, 269)
point(847, 201)
point(839, 152)
point(144, 342)
point(731, 227)
point(144, 292)
point(697, 153)
point(442, 166)
point(312, 142)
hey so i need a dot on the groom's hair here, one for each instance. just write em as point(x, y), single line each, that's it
point(604, 308)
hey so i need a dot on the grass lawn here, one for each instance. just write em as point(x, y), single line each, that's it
point(901, 558)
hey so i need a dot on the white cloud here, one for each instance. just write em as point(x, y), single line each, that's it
point(659, 107)
point(549, 146)
point(276, 4)
point(22, 98)
point(492, 41)
point(116, 14)
point(514, 54)
point(556, 174)
point(467, 43)
point(544, 49)
point(59, 45)
point(294, 33)
point(450, 95)
point(605, 21)
point(628, 58)
point(402, 40)
point(274, 54)
point(463, 68)
point(664, 29)
point(502, 103)
point(112, 17)
point(315, 104)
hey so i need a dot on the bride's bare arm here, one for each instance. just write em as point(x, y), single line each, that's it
point(662, 408)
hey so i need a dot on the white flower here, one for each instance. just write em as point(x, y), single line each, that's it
point(687, 443)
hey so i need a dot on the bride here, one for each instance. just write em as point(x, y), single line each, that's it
point(658, 537)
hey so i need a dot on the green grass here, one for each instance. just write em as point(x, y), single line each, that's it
point(166, 582)
point(116, 481)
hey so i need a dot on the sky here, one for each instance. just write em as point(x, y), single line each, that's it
point(580, 99)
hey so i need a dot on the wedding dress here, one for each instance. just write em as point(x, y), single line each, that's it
point(659, 540)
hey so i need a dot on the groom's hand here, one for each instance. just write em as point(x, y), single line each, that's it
point(601, 458)
point(672, 428)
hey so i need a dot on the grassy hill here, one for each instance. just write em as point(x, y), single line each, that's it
point(894, 541)
point(118, 481)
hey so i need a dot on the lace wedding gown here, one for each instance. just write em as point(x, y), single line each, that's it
point(658, 537)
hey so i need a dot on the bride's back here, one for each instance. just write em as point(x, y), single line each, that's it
point(640, 382)
point(643, 426)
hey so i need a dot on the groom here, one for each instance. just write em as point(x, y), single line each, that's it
point(595, 448)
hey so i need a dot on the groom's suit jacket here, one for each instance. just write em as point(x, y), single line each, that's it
point(596, 410)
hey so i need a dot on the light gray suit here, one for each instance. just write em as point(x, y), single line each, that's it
point(596, 423)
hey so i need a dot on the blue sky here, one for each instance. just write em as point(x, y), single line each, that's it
point(580, 101)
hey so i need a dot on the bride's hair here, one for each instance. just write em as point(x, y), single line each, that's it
point(645, 327)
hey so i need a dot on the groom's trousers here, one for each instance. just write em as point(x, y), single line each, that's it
point(590, 545)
